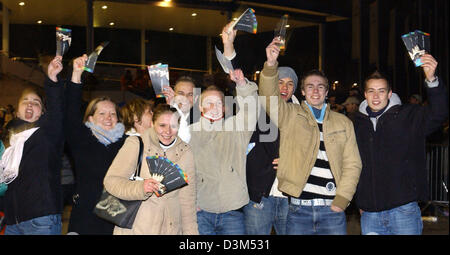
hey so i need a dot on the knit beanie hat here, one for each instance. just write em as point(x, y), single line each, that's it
point(287, 72)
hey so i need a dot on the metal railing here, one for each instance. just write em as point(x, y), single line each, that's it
point(437, 166)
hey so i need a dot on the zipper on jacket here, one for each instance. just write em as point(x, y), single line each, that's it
point(372, 141)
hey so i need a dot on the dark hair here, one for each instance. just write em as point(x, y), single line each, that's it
point(92, 107)
point(377, 75)
point(315, 72)
point(134, 108)
point(185, 78)
point(161, 109)
point(31, 90)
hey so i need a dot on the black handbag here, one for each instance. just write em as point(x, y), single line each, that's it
point(118, 211)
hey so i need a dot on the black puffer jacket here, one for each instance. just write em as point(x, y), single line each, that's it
point(36, 191)
point(394, 168)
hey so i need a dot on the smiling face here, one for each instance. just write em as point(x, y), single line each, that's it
point(105, 116)
point(184, 95)
point(212, 105)
point(30, 107)
point(286, 86)
point(166, 127)
point(377, 94)
point(315, 90)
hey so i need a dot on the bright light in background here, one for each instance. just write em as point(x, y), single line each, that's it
point(171, 29)
point(39, 21)
point(165, 3)
point(355, 85)
point(22, 3)
point(287, 25)
point(194, 14)
point(111, 23)
point(104, 7)
point(235, 18)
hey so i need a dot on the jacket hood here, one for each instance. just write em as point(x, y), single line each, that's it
point(394, 100)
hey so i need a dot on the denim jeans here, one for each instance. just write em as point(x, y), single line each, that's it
point(315, 220)
point(260, 217)
point(402, 220)
point(45, 225)
point(227, 223)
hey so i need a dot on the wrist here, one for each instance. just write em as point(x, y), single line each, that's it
point(76, 79)
point(431, 79)
point(271, 63)
point(53, 78)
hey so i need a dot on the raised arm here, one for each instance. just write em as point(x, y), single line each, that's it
point(436, 112)
point(268, 87)
point(73, 97)
point(247, 101)
point(53, 116)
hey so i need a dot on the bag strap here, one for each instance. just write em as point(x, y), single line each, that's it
point(141, 150)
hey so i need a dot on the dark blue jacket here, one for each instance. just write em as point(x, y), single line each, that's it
point(394, 167)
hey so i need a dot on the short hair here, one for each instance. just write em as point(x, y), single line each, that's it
point(134, 108)
point(92, 107)
point(314, 72)
point(377, 75)
point(185, 78)
point(162, 109)
point(214, 88)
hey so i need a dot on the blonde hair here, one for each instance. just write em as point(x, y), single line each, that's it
point(92, 107)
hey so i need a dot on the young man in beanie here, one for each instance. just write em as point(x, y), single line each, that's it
point(391, 140)
point(319, 163)
point(268, 207)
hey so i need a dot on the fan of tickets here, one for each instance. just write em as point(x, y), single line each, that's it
point(417, 43)
point(170, 175)
point(246, 22)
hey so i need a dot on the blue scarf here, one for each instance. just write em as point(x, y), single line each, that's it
point(106, 137)
point(318, 113)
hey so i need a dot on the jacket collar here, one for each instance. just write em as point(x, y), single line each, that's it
point(153, 137)
point(310, 116)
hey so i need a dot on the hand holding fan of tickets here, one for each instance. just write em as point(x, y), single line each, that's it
point(170, 175)
point(417, 43)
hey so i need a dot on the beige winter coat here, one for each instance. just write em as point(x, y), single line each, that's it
point(300, 140)
point(175, 212)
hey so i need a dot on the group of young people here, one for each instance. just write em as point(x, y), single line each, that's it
point(278, 164)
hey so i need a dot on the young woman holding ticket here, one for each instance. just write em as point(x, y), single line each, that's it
point(31, 164)
point(172, 213)
point(94, 142)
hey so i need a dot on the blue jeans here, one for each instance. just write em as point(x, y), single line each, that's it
point(45, 225)
point(402, 220)
point(227, 223)
point(260, 217)
point(315, 220)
